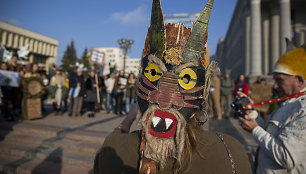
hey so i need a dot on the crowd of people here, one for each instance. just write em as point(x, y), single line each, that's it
point(172, 95)
point(69, 92)
point(12, 96)
point(223, 91)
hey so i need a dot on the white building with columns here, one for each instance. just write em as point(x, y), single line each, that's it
point(256, 36)
point(43, 49)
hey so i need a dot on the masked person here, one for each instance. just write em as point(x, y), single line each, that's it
point(282, 135)
point(173, 88)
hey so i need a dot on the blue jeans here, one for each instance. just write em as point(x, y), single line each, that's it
point(128, 101)
point(109, 102)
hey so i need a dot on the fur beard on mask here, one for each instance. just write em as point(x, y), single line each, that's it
point(160, 149)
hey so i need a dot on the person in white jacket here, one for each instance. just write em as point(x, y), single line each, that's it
point(282, 135)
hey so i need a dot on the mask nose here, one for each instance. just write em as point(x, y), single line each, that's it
point(169, 94)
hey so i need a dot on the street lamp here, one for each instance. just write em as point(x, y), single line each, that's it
point(125, 45)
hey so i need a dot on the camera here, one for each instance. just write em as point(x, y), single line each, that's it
point(240, 105)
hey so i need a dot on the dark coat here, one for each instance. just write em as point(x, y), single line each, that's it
point(74, 80)
point(131, 91)
point(119, 154)
point(91, 91)
point(227, 86)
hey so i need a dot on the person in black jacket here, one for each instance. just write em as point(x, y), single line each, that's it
point(80, 88)
point(91, 92)
point(120, 85)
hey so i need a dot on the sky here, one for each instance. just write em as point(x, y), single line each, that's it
point(100, 23)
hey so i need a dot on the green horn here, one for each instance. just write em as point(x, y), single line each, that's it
point(194, 45)
point(157, 30)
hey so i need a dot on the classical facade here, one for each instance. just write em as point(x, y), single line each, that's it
point(43, 49)
point(114, 59)
point(256, 36)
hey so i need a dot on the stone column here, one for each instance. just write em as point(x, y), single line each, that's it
point(285, 24)
point(44, 51)
point(31, 58)
point(31, 45)
point(16, 38)
point(274, 43)
point(51, 50)
point(255, 67)
point(4, 36)
point(265, 42)
point(247, 42)
point(55, 52)
point(9, 39)
point(39, 47)
point(26, 42)
point(48, 50)
point(21, 40)
point(35, 46)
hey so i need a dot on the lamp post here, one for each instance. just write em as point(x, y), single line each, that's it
point(125, 45)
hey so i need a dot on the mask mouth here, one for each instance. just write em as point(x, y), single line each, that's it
point(163, 124)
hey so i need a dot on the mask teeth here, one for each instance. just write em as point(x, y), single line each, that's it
point(195, 43)
point(168, 122)
point(155, 121)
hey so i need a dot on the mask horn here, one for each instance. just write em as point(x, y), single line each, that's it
point(194, 45)
point(157, 30)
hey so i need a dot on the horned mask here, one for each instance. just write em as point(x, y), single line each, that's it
point(174, 81)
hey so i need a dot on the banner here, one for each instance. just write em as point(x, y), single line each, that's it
point(10, 78)
point(97, 57)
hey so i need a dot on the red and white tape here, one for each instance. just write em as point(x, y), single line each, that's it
point(276, 100)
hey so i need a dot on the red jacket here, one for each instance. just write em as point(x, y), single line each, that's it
point(244, 88)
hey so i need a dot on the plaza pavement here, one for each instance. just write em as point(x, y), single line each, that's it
point(60, 144)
